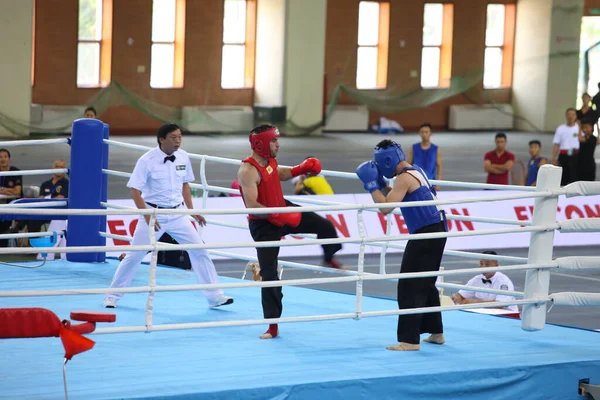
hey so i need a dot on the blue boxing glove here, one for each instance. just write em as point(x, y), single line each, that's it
point(370, 176)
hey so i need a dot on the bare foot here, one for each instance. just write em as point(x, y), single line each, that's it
point(402, 346)
point(255, 271)
point(272, 332)
point(435, 338)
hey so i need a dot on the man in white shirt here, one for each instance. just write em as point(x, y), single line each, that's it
point(566, 147)
point(490, 280)
point(163, 175)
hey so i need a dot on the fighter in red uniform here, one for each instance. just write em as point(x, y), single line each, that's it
point(260, 184)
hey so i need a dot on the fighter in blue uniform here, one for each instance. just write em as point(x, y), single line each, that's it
point(411, 184)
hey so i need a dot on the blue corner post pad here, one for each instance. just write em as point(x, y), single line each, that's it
point(87, 188)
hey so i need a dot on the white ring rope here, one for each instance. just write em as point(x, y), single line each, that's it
point(275, 243)
point(352, 276)
point(331, 173)
point(15, 143)
point(34, 204)
point(208, 220)
point(457, 253)
point(501, 221)
point(25, 235)
point(325, 317)
point(348, 207)
point(35, 172)
point(334, 271)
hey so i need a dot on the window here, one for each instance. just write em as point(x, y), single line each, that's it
point(373, 43)
point(168, 44)
point(239, 32)
point(499, 38)
point(94, 43)
point(436, 57)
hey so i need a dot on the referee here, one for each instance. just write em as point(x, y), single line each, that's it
point(163, 175)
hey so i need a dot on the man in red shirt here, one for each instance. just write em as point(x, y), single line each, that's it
point(499, 162)
point(260, 184)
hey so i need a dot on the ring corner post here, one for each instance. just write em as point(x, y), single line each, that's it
point(88, 156)
point(541, 243)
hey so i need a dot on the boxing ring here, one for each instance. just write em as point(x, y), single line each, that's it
point(332, 345)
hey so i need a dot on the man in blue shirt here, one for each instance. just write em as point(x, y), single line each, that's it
point(426, 155)
point(535, 162)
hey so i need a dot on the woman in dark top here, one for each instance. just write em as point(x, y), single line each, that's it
point(587, 113)
point(586, 164)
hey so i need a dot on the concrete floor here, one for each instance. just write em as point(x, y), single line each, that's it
point(462, 155)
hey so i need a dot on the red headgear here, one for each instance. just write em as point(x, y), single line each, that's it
point(261, 142)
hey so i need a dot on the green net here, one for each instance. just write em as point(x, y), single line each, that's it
point(115, 94)
point(387, 101)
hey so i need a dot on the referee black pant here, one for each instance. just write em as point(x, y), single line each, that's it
point(420, 256)
point(569, 168)
point(264, 231)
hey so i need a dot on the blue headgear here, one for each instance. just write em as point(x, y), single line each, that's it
point(388, 158)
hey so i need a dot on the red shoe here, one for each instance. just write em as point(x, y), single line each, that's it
point(334, 264)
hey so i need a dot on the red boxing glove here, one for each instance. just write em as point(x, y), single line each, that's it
point(310, 166)
point(280, 220)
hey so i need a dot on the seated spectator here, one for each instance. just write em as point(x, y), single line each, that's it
point(498, 162)
point(11, 187)
point(90, 112)
point(55, 188)
point(311, 184)
point(493, 280)
point(58, 186)
point(299, 188)
point(535, 162)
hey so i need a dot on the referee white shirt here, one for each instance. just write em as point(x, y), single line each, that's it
point(567, 137)
point(161, 181)
point(499, 281)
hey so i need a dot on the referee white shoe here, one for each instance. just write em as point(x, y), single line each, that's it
point(221, 301)
point(110, 302)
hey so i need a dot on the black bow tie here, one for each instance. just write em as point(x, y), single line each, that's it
point(169, 158)
point(486, 280)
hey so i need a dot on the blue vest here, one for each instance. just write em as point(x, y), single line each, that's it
point(426, 159)
point(532, 171)
point(419, 217)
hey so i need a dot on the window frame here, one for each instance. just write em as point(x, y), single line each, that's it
point(445, 47)
point(507, 48)
point(104, 43)
point(381, 47)
point(249, 45)
point(178, 44)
